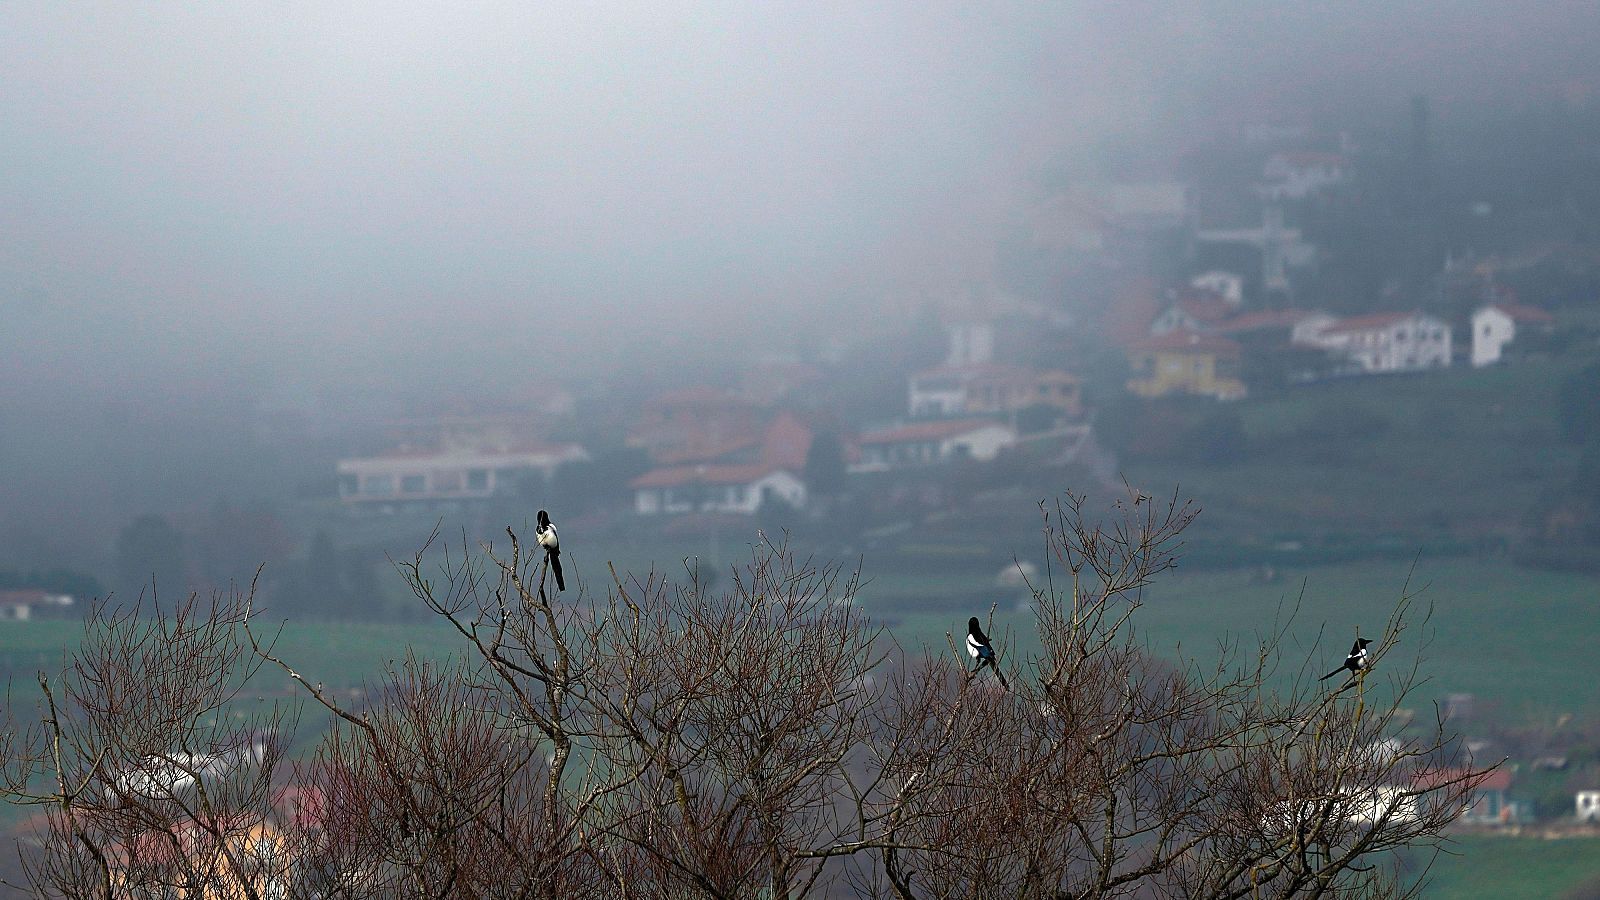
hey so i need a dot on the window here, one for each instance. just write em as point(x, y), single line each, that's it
point(477, 479)
point(448, 480)
point(348, 484)
point(413, 484)
point(377, 484)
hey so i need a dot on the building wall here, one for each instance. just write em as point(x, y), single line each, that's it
point(1491, 331)
point(1185, 372)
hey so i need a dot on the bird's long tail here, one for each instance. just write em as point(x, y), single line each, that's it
point(1331, 674)
point(993, 667)
point(555, 569)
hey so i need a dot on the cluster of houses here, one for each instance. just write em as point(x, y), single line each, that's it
point(732, 450)
point(1202, 341)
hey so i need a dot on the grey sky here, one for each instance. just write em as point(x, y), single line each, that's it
point(307, 184)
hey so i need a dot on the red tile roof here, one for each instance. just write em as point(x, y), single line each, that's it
point(1498, 780)
point(1520, 313)
point(1265, 318)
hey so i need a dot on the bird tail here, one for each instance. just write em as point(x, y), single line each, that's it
point(1002, 676)
point(1331, 674)
point(555, 569)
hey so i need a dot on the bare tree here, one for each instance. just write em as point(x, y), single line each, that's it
point(666, 740)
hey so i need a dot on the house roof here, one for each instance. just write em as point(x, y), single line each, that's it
point(1185, 342)
point(1520, 313)
point(926, 431)
point(673, 476)
point(1497, 780)
point(1371, 322)
point(1205, 305)
point(1265, 318)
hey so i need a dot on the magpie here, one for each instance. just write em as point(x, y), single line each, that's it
point(1355, 662)
point(978, 647)
point(552, 547)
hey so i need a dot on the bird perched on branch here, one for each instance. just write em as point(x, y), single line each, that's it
point(978, 647)
point(1355, 662)
point(552, 547)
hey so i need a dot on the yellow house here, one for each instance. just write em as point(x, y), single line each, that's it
point(1184, 362)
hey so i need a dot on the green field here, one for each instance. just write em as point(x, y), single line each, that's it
point(1455, 452)
point(1487, 867)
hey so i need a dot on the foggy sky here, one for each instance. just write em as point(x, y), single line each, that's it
point(303, 187)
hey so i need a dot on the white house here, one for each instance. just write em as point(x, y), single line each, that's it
point(1495, 326)
point(1387, 342)
point(19, 604)
point(739, 489)
point(1226, 285)
point(1588, 806)
point(926, 443)
point(449, 474)
point(1297, 175)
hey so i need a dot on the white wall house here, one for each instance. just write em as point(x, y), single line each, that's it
point(1227, 285)
point(739, 489)
point(926, 443)
point(1588, 805)
point(1494, 326)
point(1388, 342)
point(454, 474)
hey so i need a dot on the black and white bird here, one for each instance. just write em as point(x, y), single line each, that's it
point(1355, 662)
point(552, 547)
point(978, 647)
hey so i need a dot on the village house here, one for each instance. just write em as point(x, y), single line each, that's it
point(735, 475)
point(448, 474)
point(992, 389)
point(1496, 325)
point(1487, 804)
point(928, 443)
point(693, 423)
point(715, 488)
point(1185, 362)
point(1193, 310)
point(20, 604)
point(1386, 342)
point(1588, 806)
point(1295, 176)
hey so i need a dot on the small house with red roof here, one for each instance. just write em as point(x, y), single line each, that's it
point(1185, 362)
point(715, 488)
point(1496, 325)
point(928, 443)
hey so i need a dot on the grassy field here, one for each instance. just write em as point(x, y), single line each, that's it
point(1454, 451)
point(1486, 867)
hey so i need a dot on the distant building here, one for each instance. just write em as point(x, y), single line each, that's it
point(1227, 285)
point(1193, 310)
point(740, 489)
point(20, 604)
point(1295, 176)
point(1185, 362)
point(991, 389)
point(1487, 803)
point(928, 443)
point(694, 423)
point(1496, 325)
point(1387, 342)
point(447, 475)
point(1588, 806)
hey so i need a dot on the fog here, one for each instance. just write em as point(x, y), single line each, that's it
point(209, 210)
